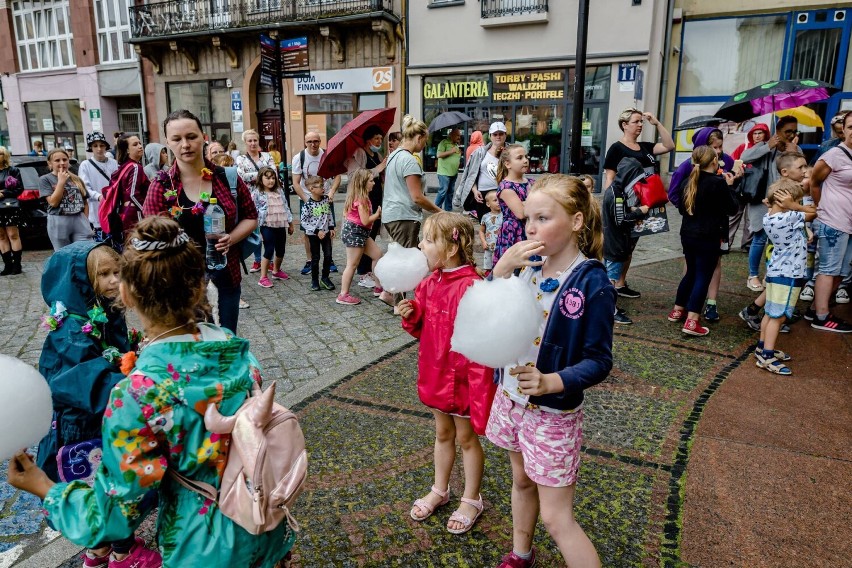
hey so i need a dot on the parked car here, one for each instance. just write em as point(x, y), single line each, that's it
point(33, 206)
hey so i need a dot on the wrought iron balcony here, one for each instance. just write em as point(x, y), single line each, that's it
point(505, 8)
point(158, 19)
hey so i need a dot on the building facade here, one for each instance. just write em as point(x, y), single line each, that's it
point(723, 47)
point(205, 56)
point(513, 61)
point(67, 69)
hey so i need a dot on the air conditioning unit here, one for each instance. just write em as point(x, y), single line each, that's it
point(802, 18)
point(840, 15)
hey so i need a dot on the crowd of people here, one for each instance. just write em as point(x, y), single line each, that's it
point(570, 252)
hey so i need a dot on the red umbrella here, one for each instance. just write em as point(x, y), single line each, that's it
point(342, 145)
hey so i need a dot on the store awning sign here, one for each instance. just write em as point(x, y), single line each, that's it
point(532, 86)
point(360, 80)
point(456, 90)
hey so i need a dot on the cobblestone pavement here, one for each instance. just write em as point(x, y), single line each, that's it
point(310, 345)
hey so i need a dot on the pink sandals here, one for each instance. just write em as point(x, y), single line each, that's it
point(425, 506)
point(467, 522)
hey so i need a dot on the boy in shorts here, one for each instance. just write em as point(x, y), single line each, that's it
point(786, 271)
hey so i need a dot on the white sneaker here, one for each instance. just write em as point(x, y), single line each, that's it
point(842, 296)
point(807, 294)
point(366, 281)
point(243, 304)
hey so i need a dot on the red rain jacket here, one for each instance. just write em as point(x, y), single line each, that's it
point(448, 381)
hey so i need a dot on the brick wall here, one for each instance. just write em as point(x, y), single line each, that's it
point(85, 33)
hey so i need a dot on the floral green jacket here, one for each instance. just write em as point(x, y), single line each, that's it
point(154, 421)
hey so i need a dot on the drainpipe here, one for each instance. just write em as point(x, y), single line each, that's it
point(667, 54)
point(146, 134)
point(403, 83)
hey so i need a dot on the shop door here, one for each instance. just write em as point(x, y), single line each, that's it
point(592, 140)
point(269, 127)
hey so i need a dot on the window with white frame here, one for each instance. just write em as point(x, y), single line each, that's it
point(111, 18)
point(43, 34)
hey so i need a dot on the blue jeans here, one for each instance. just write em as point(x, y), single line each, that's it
point(446, 189)
point(755, 253)
point(229, 307)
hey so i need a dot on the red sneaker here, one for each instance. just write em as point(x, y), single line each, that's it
point(677, 315)
point(692, 327)
point(348, 300)
point(512, 560)
point(280, 275)
point(92, 561)
point(255, 267)
point(139, 557)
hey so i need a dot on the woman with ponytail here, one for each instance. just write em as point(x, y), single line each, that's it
point(707, 202)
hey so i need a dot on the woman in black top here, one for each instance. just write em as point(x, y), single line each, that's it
point(10, 214)
point(630, 121)
point(708, 200)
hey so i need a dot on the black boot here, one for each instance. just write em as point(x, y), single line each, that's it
point(8, 262)
point(16, 262)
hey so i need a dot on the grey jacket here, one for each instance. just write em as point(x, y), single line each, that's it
point(761, 156)
point(468, 177)
point(152, 159)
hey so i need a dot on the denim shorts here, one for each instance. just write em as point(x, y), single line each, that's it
point(835, 254)
point(613, 269)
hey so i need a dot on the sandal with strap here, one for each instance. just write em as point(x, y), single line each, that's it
point(467, 522)
point(425, 506)
point(780, 355)
point(773, 365)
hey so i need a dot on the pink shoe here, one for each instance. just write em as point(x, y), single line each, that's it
point(348, 300)
point(512, 560)
point(92, 561)
point(265, 282)
point(377, 291)
point(139, 557)
point(280, 275)
point(255, 267)
point(692, 327)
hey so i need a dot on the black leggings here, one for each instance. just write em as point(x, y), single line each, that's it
point(122, 546)
point(274, 240)
point(365, 265)
point(701, 259)
point(316, 244)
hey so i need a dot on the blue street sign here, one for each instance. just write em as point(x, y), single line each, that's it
point(627, 72)
point(236, 105)
point(235, 96)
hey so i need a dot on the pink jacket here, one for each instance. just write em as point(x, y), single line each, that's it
point(448, 381)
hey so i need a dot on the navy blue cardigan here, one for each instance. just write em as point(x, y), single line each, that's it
point(577, 342)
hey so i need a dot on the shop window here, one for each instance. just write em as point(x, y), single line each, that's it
point(724, 56)
point(210, 101)
point(113, 28)
point(327, 113)
point(815, 54)
point(57, 124)
point(43, 35)
point(371, 101)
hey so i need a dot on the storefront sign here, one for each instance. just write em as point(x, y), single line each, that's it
point(361, 80)
point(532, 86)
point(456, 90)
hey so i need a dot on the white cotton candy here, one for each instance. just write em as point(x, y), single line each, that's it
point(401, 269)
point(496, 322)
point(26, 407)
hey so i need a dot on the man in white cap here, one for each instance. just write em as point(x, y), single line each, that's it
point(480, 173)
point(96, 173)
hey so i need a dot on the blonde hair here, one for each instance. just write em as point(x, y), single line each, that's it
point(702, 158)
point(785, 160)
point(572, 195)
point(95, 261)
point(311, 181)
point(167, 284)
point(224, 160)
point(794, 188)
point(625, 115)
point(356, 190)
point(250, 132)
point(262, 172)
point(503, 158)
point(74, 178)
point(5, 158)
point(446, 229)
point(413, 127)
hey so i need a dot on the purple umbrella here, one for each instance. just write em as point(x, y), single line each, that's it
point(774, 96)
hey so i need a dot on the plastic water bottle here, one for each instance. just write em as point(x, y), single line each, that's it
point(214, 229)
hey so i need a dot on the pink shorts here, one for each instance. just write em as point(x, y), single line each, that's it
point(549, 442)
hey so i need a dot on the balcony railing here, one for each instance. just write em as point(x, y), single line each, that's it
point(175, 17)
point(504, 8)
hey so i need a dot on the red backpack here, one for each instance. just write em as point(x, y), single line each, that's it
point(109, 211)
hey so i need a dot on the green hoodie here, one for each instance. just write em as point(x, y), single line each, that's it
point(72, 361)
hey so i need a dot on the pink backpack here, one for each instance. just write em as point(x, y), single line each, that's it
point(267, 463)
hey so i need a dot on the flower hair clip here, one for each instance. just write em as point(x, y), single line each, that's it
point(181, 239)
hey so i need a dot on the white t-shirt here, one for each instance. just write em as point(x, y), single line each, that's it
point(96, 183)
point(786, 232)
point(545, 300)
point(308, 169)
point(487, 173)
